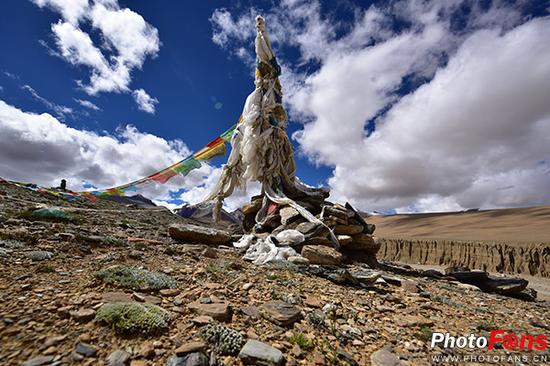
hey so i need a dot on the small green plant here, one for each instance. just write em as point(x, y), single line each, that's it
point(44, 269)
point(51, 214)
point(424, 334)
point(488, 324)
point(39, 255)
point(317, 319)
point(217, 269)
point(140, 246)
point(301, 340)
point(135, 278)
point(225, 340)
point(132, 318)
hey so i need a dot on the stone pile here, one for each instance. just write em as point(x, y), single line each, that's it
point(354, 236)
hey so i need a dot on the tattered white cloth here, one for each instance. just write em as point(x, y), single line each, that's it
point(261, 150)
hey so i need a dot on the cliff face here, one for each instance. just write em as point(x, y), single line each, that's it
point(532, 259)
point(515, 240)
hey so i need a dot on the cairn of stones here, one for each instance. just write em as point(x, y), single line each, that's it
point(354, 234)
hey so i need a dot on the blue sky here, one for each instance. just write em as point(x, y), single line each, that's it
point(367, 85)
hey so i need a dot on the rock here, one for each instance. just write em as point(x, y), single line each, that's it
point(280, 312)
point(169, 292)
point(288, 214)
point(251, 311)
point(135, 254)
point(191, 359)
point(50, 341)
point(384, 357)
point(368, 228)
point(190, 348)
point(118, 297)
point(198, 234)
point(346, 357)
point(85, 349)
point(313, 302)
point(310, 230)
point(253, 207)
point(209, 253)
point(247, 286)
point(481, 279)
point(321, 255)
point(318, 240)
point(138, 363)
point(336, 211)
point(202, 320)
point(258, 353)
point(410, 286)
point(413, 321)
point(83, 315)
point(366, 277)
point(221, 311)
point(529, 294)
point(119, 358)
point(364, 242)
point(298, 259)
point(344, 240)
point(432, 273)
point(348, 229)
point(470, 277)
point(147, 349)
point(504, 286)
point(38, 361)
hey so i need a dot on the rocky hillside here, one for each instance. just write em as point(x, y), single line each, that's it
point(103, 283)
point(515, 241)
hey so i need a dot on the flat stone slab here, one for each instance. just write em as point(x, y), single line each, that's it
point(258, 353)
point(384, 357)
point(191, 359)
point(320, 254)
point(221, 311)
point(117, 296)
point(348, 229)
point(190, 347)
point(198, 234)
point(364, 242)
point(38, 361)
point(280, 312)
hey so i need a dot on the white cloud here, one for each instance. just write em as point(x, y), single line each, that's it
point(71, 10)
point(60, 111)
point(87, 104)
point(39, 148)
point(127, 40)
point(476, 134)
point(144, 101)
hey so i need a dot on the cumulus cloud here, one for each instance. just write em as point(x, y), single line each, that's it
point(39, 148)
point(127, 40)
point(457, 100)
point(144, 101)
point(87, 104)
